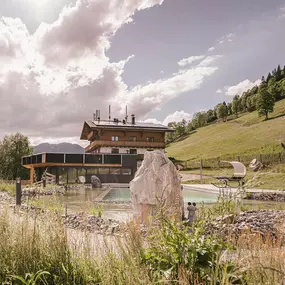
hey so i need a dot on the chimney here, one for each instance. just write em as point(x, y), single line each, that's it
point(133, 119)
point(126, 118)
point(109, 113)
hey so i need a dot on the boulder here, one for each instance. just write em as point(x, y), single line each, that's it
point(255, 165)
point(156, 183)
point(95, 181)
point(81, 179)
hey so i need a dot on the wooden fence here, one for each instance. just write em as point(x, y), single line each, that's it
point(266, 159)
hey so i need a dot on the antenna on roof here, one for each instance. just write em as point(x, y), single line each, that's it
point(94, 117)
point(126, 114)
point(98, 118)
point(109, 113)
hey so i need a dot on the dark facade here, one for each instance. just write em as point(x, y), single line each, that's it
point(109, 168)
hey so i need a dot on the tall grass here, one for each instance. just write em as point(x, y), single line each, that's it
point(170, 253)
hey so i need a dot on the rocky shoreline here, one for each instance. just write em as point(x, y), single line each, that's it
point(265, 196)
point(260, 222)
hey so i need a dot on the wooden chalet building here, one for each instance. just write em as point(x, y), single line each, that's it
point(123, 137)
point(115, 151)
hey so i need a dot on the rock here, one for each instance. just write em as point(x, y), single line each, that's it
point(255, 165)
point(264, 222)
point(228, 219)
point(95, 181)
point(81, 179)
point(156, 183)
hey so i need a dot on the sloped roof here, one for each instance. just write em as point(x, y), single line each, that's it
point(120, 125)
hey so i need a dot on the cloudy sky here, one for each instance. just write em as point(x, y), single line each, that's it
point(60, 60)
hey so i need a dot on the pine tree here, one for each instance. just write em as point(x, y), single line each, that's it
point(265, 101)
point(268, 77)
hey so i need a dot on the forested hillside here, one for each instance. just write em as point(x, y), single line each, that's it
point(260, 98)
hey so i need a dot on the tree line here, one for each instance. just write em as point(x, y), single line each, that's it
point(12, 149)
point(260, 98)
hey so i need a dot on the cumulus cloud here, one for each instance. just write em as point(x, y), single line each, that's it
point(219, 91)
point(177, 116)
point(240, 87)
point(53, 80)
point(189, 60)
point(211, 49)
point(143, 98)
point(86, 28)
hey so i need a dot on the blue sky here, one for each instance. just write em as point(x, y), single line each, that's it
point(165, 59)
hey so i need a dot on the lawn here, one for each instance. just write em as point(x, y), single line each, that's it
point(248, 134)
point(268, 178)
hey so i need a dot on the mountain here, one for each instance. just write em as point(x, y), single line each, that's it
point(61, 147)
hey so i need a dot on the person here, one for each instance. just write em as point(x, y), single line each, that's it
point(191, 212)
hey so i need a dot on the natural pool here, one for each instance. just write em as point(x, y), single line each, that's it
point(123, 194)
point(85, 198)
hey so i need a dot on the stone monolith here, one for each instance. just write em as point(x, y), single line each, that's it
point(156, 183)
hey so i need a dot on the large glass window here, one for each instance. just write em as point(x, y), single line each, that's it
point(115, 150)
point(115, 171)
point(133, 139)
point(104, 171)
point(150, 139)
point(133, 151)
point(115, 138)
point(126, 171)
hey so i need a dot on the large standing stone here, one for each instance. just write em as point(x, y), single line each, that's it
point(95, 181)
point(156, 183)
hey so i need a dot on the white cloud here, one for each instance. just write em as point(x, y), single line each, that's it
point(211, 49)
point(144, 98)
point(189, 60)
point(55, 79)
point(240, 87)
point(209, 60)
point(177, 116)
point(219, 91)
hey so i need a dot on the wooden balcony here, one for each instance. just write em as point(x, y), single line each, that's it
point(130, 144)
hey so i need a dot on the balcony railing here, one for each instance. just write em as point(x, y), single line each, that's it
point(100, 143)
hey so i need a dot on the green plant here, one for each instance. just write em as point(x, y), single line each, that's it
point(96, 210)
point(32, 278)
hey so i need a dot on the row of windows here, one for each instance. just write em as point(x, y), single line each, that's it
point(132, 139)
point(130, 151)
point(107, 171)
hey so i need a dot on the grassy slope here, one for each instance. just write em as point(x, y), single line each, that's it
point(268, 178)
point(248, 134)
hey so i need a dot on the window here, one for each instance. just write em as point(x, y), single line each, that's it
point(133, 151)
point(103, 170)
point(115, 171)
point(133, 139)
point(115, 150)
point(126, 171)
point(150, 139)
point(115, 138)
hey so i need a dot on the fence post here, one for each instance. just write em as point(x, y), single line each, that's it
point(201, 169)
point(44, 182)
point(238, 158)
point(18, 191)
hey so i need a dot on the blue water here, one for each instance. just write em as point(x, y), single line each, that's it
point(123, 194)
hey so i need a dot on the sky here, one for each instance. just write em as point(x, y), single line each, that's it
point(61, 60)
